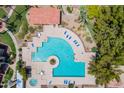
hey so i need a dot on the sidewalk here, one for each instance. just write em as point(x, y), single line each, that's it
point(16, 45)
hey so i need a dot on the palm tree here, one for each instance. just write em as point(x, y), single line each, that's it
point(104, 71)
point(83, 15)
point(108, 33)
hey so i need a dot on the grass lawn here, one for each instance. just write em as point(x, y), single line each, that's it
point(6, 39)
point(18, 17)
point(8, 75)
point(23, 31)
point(2, 13)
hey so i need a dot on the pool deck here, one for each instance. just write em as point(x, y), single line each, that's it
point(37, 67)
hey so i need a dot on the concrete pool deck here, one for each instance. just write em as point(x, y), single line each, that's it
point(47, 68)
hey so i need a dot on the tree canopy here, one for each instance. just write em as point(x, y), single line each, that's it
point(108, 32)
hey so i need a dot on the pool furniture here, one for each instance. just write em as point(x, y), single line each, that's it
point(19, 82)
point(69, 82)
point(65, 32)
point(65, 82)
point(42, 73)
point(50, 82)
point(38, 34)
point(67, 36)
point(75, 41)
point(78, 45)
point(70, 37)
point(32, 45)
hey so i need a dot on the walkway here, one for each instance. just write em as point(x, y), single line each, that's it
point(17, 53)
point(15, 43)
point(11, 11)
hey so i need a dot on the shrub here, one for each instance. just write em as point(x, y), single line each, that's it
point(20, 49)
point(94, 49)
point(88, 39)
point(52, 61)
point(71, 85)
point(69, 9)
point(55, 87)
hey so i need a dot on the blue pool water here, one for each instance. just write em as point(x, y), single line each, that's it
point(33, 82)
point(60, 48)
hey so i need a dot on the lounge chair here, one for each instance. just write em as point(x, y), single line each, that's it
point(67, 36)
point(65, 81)
point(78, 45)
point(69, 82)
point(65, 32)
point(70, 37)
point(32, 45)
point(73, 82)
point(74, 41)
point(50, 82)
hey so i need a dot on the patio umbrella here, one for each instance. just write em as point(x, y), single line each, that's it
point(41, 73)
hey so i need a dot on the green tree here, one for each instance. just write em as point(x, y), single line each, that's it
point(105, 71)
point(23, 73)
point(71, 85)
point(108, 32)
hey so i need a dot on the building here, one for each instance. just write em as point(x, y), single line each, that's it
point(3, 53)
point(45, 16)
point(3, 64)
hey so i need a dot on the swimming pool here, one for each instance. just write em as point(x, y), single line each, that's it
point(60, 48)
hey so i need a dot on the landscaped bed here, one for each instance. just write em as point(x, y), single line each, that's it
point(2, 13)
point(8, 75)
point(6, 39)
point(23, 31)
point(18, 18)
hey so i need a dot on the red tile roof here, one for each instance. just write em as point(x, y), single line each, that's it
point(44, 16)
